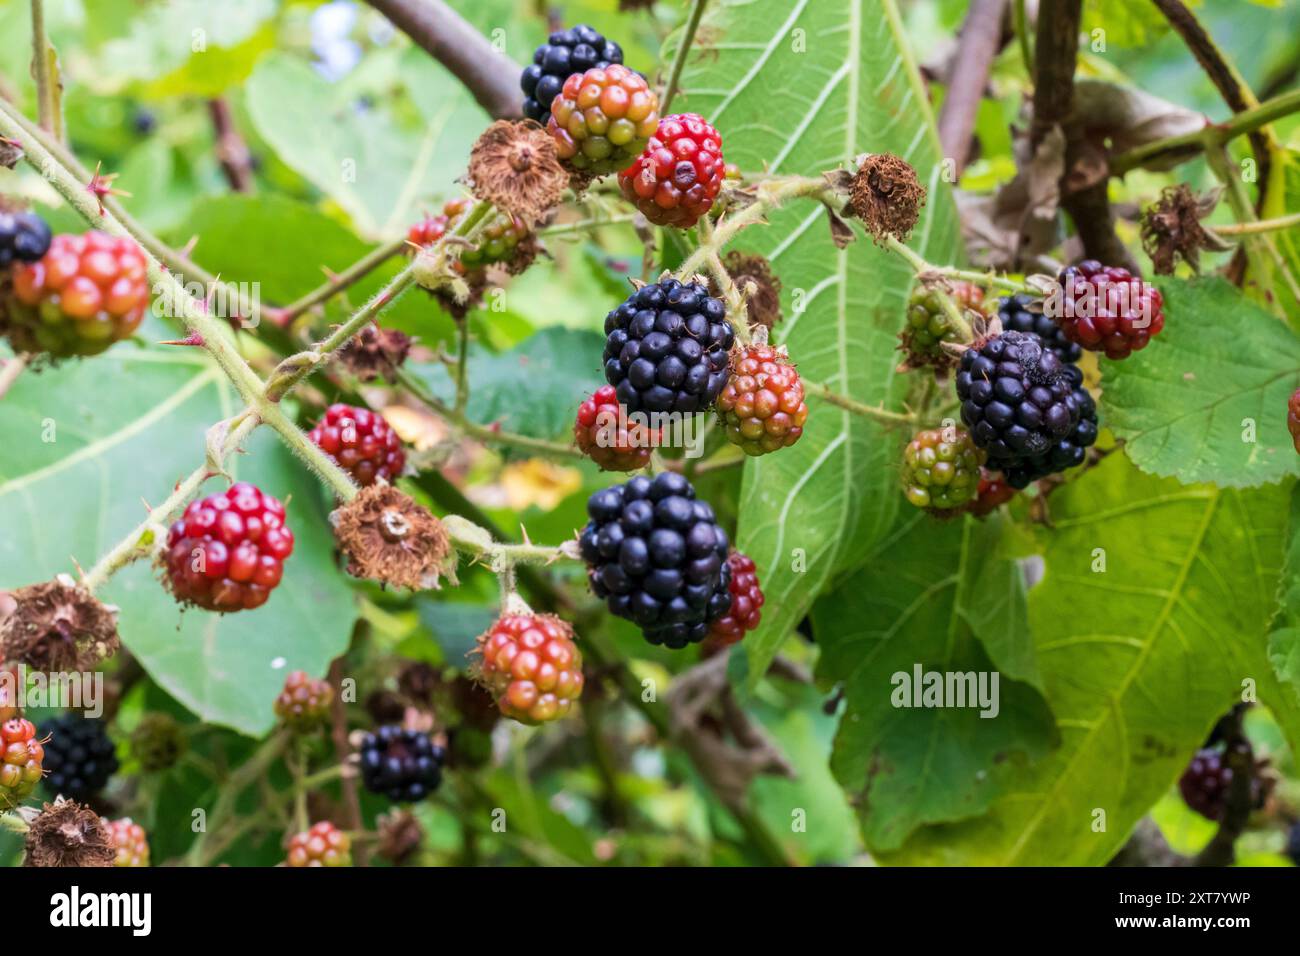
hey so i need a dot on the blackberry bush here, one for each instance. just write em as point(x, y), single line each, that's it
point(658, 557)
point(667, 348)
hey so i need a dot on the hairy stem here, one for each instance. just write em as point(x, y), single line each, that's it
point(1260, 225)
point(858, 408)
point(46, 71)
point(683, 50)
point(339, 282)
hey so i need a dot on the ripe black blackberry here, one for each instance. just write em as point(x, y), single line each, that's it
point(403, 765)
point(1205, 783)
point(667, 348)
point(564, 53)
point(23, 236)
point(658, 558)
point(1016, 316)
point(79, 757)
point(1071, 450)
point(1016, 398)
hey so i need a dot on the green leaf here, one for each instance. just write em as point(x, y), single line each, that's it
point(1284, 642)
point(803, 87)
point(1219, 374)
point(287, 247)
point(455, 627)
point(1138, 659)
point(938, 596)
point(376, 167)
point(533, 388)
point(81, 450)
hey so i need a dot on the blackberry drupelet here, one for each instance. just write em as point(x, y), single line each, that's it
point(564, 53)
point(403, 765)
point(657, 556)
point(667, 348)
point(79, 757)
point(1016, 398)
point(1071, 450)
point(1016, 315)
point(24, 237)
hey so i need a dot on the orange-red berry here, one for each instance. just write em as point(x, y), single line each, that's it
point(603, 118)
point(362, 442)
point(21, 755)
point(607, 437)
point(323, 845)
point(532, 666)
point(762, 405)
point(130, 840)
point(675, 180)
point(304, 704)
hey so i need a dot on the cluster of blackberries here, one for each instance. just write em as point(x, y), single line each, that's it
point(403, 765)
point(667, 348)
point(564, 53)
point(79, 757)
point(658, 557)
point(24, 236)
point(1025, 406)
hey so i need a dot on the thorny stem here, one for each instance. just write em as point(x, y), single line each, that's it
point(138, 541)
point(343, 280)
point(1212, 135)
point(683, 49)
point(858, 408)
point(1258, 226)
point(45, 69)
point(921, 267)
point(1221, 165)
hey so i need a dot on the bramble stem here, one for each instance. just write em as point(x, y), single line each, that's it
point(1214, 134)
point(343, 280)
point(476, 541)
point(138, 541)
point(858, 408)
point(1258, 226)
point(679, 60)
point(46, 71)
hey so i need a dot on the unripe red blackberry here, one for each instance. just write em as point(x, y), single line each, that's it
point(21, 756)
point(1293, 418)
point(601, 437)
point(746, 602)
point(227, 551)
point(497, 241)
point(928, 326)
point(130, 841)
point(10, 692)
point(87, 292)
point(532, 666)
point(323, 845)
point(675, 180)
point(304, 704)
point(362, 442)
point(941, 469)
point(993, 492)
point(761, 406)
point(603, 118)
point(1106, 308)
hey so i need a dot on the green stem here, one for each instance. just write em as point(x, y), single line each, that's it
point(252, 770)
point(683, 49)
point(343, 280)
point(858, 408)
point(462, 366)
point(45, 70)
point(584, 225)
point(137, 543)
point(1221, 165)
point(1258, 226)
point(1215, 134)
point(1022, 34)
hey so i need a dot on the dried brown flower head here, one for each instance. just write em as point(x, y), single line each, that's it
point(887, 196)
point(390, 538)
point(400, 835)
point(1171, 228)
point(514, 166)
point(56, 626)
point(375, 353)
point(755, 279)
point(66, 833)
